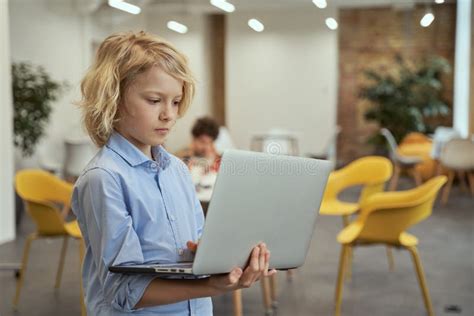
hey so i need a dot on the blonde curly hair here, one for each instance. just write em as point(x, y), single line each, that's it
point(119, 59)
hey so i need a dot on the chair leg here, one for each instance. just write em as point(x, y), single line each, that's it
point(340, 279)
point(237, 298)
point(273, 289)
point(24, 263)
point(421, 280)
point(346, 222)
point(350, 256)
point(447, 188)
point(470, 177)
point(394, 181)
point(81, 258)
point(461, 176)
point(61, 262)
point(438, 168)
point(267, 299)
point(289, 274)
point(391, 262)
point(416, 176)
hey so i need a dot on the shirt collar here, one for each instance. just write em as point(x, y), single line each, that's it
point(132, 155)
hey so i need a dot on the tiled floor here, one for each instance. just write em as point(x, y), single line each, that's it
point(446, 249)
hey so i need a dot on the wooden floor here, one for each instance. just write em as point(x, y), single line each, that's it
point(446, 249)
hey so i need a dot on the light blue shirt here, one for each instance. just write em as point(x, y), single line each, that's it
point(133, 210)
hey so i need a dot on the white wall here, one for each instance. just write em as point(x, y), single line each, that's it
point(284, 77)
point(7, 219)
point(52, 34)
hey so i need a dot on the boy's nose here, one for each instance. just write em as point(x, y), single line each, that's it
point(167, 112)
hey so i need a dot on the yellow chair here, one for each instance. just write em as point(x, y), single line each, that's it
point(419, 146)
point(42, 192)
point(383, 219)
point(371, 172)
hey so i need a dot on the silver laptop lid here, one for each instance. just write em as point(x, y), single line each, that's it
point(261, 197)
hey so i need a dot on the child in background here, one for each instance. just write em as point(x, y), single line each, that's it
point(202, 150)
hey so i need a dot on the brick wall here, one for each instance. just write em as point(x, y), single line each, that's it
point(369, 39)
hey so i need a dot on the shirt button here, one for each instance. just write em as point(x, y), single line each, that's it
point(172, 218)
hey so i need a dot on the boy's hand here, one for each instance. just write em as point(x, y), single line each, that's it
point(257, 267)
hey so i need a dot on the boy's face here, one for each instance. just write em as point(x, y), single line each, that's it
point(149, 108)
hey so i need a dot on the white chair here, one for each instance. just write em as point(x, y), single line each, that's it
point(79, 151)
point(441, 136)
point(276, 141)
point(458, 157)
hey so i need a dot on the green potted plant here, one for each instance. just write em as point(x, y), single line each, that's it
point(405, 100)
point(33, 94)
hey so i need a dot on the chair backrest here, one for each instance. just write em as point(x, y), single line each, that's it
point(458, 154)
point(392, 143)
point(41, 190)
point(372, 172)
point(386, 215)
point(443, 133)
point(276, 141)
point(441, 136)
point(415, 138)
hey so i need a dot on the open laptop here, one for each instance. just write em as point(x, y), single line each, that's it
point(257, 197)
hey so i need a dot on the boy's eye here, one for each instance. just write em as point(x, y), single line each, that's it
point(154, 100)
point(177, 102)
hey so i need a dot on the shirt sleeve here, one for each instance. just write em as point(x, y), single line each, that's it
point(112, 238)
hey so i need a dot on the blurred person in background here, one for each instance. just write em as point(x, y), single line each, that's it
point(202, 151)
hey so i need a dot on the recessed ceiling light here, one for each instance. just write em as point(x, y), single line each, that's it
point(427, 19)
point(331, 23)
point(223, 5)
point(256, 25)
point(125, 6)
point(320, 3)
point(177, 27)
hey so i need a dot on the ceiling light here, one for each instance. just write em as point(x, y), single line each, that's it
point(320, 3)
point(427, 19)
point(177, 27)
point(439, 1)
point(125, 6)
point(223, 5)
point(256, 25)
point(331, 23)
